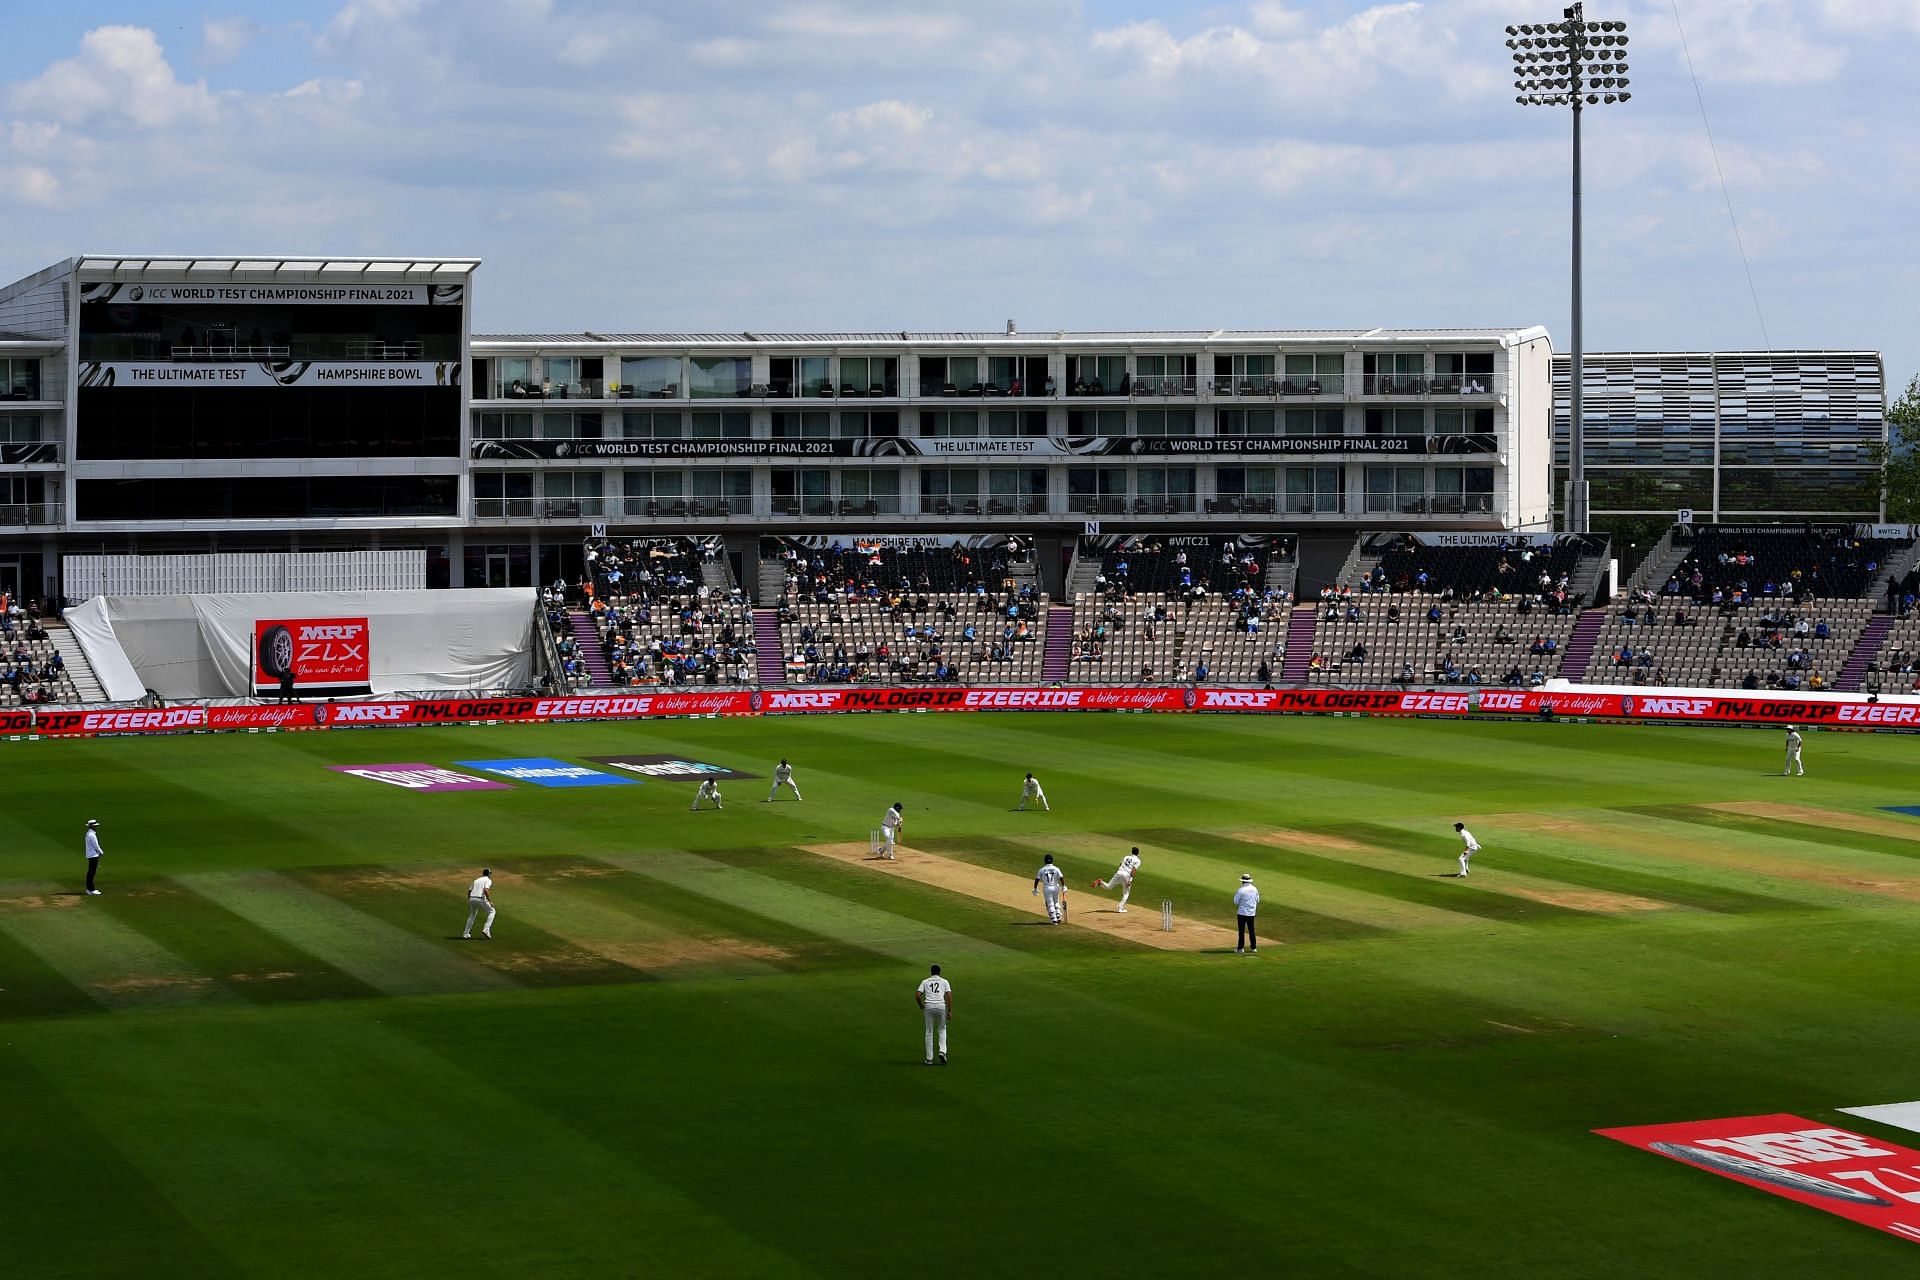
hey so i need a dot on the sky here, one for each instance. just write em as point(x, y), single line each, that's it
point(827, 165)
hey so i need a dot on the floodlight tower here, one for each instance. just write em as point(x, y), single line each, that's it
point(1578, 64)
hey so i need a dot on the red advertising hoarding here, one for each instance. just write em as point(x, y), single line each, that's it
point(1875, 1183)
point(322, 654)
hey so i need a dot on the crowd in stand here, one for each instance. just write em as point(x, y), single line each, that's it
point(658, 622)
point(28, 676)
point(871, 571)
point(1728, 573)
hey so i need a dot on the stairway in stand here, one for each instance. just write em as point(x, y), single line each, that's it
point(1293, 669)
point(1054, 668)
point(1865, 650)
point(593, 654)
point(772, 663)
point(1575, 658)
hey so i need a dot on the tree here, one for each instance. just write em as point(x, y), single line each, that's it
point(1899, 458)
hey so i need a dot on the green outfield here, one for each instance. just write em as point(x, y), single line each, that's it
point(692, 1047)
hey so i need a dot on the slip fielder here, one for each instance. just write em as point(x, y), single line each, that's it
point(1031, 791)
point(709, 790)
point(1472, 846)
point(783, 777)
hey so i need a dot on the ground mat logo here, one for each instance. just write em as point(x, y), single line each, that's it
point(419, 777)
point(544, 772)
point(670, 768)
point(1872, 1182)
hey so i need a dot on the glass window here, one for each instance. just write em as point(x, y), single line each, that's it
point(816, 424)
point(651, 375)
point(1249, 422)
point(515, 377)
point(1320, 373)
point(1244, 482)
point(653, 485)
point(1396, 422)
point(1097, 375)
point(1316, 422)
point(1097, 422)
point(1096, 489)
point(879, 487)
point(962, 422)
point(718, 377)
point(731, 485)
point(20, 378)
point(641, 425)
point(1165, 488)
point(506, 426)
point(1165, 422)
point(1315, 490)
point(953, 483)
point(732, 424)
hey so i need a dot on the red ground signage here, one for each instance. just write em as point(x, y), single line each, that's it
point(1875, 1183)
point(322, 653)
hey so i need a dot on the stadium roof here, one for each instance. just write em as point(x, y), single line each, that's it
point(1093, 337)
point(227, 266)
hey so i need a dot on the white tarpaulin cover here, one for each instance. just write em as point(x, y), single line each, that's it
point(201, 646)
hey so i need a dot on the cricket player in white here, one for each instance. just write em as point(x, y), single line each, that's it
point(1032, 791)
point(1472, 846)
point(935, 998)
point(709, 790)
point(1122, 877)
point(1793, 754)
point(782, 777)
point(93, 855)
point(890, 829)
point(480, 899)
point(1052, 882)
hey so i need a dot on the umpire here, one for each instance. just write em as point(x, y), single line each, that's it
point(1246, 903)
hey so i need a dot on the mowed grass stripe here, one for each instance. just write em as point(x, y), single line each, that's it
point(1526, 854)
point(117, 963)
point(254, 963)
point(1782, 829)
point(1283, 920)
point(1426, 889)
point(1199, 887)
point(882, 932)
point(31, 988)
point(417, 901)
point(928, 904)
point(668, 932)
point(388, 958)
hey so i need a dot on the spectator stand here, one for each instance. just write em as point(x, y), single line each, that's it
point(1452, 609)
point(1780, 607)
point(908, 610)
point(645, 616)
point(36, 669)
point(1179, 609)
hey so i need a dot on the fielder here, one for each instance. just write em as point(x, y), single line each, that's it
point(1052, 882)
point(1472, 846)
point(709, 790)
point(935, 998)
point(1032, 791)
point(1122, 877)
point(890, 829)
point(480, 899)
point(1793, 754)
point(93, 855)
point(782, 777)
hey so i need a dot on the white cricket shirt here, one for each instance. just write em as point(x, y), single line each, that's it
point(892, 819)
point(93, 843)
point(1129, 864)
point(781, 772)
point(1473, 846)
point(1051, 876)
point(480, 886)
point(934, 992)
point(1246, 901)
point(1033, 786)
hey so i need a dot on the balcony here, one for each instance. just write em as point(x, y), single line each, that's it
point(1446, 384)
point(29, 453)
point(548, 389)
point(1266, 387)
point(1165, 386)
point(1450, 504)
point(30, 515)
point(1235, 504)
point(223, 346)
point(600, 510)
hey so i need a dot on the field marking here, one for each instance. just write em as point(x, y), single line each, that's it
point(1011, 891)
point(1647, 841)
point(1354, 906)
point(629, 940)
point(1504, 883)
point(112, 960)
point(839, 919)
point(382, 955)
point(1865, 823)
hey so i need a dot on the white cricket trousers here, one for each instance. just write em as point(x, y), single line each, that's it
point(475, 906)
point(1050, 894)
point(1038, 795)
point(1793, 763)
point(788, 784)
point(1126, 887)
point(936, 1019)
point(887, 836)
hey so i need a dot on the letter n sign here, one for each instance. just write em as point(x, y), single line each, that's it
point(1091, 529)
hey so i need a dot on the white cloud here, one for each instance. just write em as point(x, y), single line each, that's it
point(224, 39)
point(585, 48)
point(120, 74)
